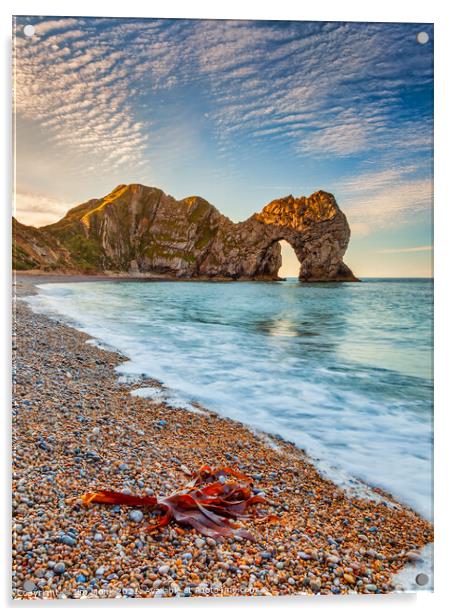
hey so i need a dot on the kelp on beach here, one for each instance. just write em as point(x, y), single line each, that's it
point(209, 503)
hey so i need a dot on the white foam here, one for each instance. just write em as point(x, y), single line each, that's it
point(276, 357)
point(407, 579)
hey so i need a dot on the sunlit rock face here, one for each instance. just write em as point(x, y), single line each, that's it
point(140, 230)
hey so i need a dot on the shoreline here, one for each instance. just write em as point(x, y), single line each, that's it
point(124, 277)
point(326, 541)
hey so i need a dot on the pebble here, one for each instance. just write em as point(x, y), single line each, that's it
point(136, 515)
point(315, 584)
point(59, 568)
point(163, 570)
point(68, 540)
point(414, 557)
point(349, 578)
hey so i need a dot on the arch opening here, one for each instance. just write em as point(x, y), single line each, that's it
point(290, 265)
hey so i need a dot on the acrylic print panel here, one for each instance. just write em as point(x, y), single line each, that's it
point(223, 308)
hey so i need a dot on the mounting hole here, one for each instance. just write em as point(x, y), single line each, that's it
point(422, 38)
point(29, 30)
point(421, 579)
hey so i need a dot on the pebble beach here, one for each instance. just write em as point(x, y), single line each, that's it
point(77, 428)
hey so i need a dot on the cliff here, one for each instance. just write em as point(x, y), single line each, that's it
point(140, 230)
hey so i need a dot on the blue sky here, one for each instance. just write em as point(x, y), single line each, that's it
point(238, 112)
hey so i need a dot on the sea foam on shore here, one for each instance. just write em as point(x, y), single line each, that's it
point(344, 371)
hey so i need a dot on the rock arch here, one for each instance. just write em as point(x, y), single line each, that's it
point(316, 229)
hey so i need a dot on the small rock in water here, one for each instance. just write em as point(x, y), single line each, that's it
point(163, 570)
point(100, 571)
point(414, 557)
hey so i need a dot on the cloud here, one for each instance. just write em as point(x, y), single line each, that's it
point(324, 90)
point(390, 206)
point(360, 229)
point(51, 25)
point(406, 250)
point(385, 197)
point(38, 209)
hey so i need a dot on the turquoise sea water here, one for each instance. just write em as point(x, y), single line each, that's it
point(343, 370)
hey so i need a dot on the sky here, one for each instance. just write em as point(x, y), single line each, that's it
point(238, 112)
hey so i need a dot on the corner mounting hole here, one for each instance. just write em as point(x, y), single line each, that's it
point(421, 579)
point(422, 38)
point(29, 30)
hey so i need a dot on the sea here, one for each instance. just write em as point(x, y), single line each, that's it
point(343, 370)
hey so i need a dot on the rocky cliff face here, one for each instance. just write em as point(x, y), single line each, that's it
point(36, 249)
point(141, 230)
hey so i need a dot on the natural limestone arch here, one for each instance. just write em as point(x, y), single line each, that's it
point(314, 227)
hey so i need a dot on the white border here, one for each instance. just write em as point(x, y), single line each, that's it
point(436, 11)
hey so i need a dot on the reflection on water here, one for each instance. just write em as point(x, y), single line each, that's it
point(283, 327)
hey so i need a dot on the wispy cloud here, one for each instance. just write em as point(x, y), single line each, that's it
point(384, 198)
point(406, 250)
point(327, 89)
point(38, 209)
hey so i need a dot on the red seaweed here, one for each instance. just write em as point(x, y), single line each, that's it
point(211, 502)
